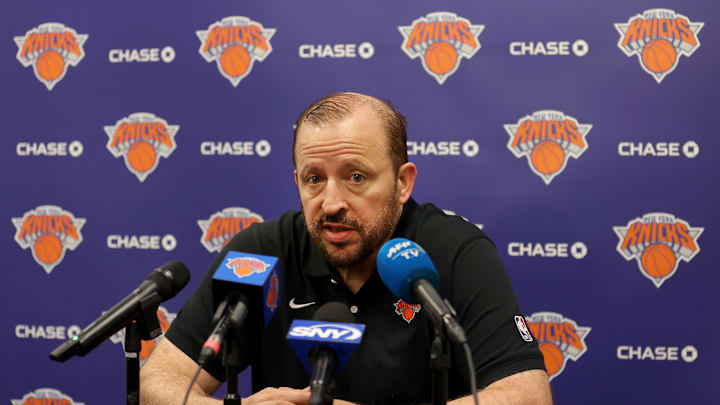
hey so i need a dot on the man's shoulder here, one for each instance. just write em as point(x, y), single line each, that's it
point(270, 236)
point(436, 226)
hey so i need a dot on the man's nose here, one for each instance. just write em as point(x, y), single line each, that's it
point(334, 199)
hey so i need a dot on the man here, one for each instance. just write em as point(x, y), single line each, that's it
point(355, 182)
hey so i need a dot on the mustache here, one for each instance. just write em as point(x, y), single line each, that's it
point(339, 218)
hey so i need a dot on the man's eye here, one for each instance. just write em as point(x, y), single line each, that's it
point(313, 179)
point(357, 178)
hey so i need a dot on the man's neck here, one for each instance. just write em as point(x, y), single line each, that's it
point(356, 276)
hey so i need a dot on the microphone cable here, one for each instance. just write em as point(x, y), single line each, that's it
point(471, 372)
point(192, 382)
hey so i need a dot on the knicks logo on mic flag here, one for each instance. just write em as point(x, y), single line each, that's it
point(223, 225)
point(141, 139)
point(658, 241)
point(50, 48)
point(48, 231)
point(559, 338)
point(658, 37)
point(547, 139)
point(235, 43)
point(440, 40)
point(45, 396)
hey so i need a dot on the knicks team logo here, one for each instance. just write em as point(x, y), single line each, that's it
point(223, 225)
point(658, 37)
point(658, 241)
point(406, 311)
point(50, 48)
point(441, 40)
point(48, 231)
point(45, 396)
point(140, 139)
point(547, 139)
point(245, 266)
point(559, 338)
point(272, 296)
point(235, 43)
point(165, 318)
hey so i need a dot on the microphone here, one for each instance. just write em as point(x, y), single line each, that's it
point(408, 272)
point(240, 279)
point(162, 284)
point(230, 315)
point(324, 346)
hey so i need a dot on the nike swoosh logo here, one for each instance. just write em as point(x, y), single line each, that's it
point(293, 305)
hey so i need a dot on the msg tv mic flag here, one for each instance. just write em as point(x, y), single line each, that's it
point(408, 272)
point(141, 304)
point(254, 276)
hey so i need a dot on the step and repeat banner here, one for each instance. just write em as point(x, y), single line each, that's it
point(581, 136)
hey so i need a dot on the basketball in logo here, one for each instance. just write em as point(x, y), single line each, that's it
point(235, 60)
point(658, 241)
point(658, 37)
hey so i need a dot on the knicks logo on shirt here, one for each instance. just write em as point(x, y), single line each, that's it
point(658, 37)
point(48, 231)
point(235, 43)
point(50, 48)
point(141, 139)
point(406, 311)
point(547, 139)
point(223, 225)
point(559, 338)
point(165, 318)
point(441, 40)
point(45, 396)
point(658, 241)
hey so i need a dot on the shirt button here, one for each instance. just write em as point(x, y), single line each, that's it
point(354, 309)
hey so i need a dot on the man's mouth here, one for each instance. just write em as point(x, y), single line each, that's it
point(337, 233)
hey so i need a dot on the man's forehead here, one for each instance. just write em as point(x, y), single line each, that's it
point(358, 130)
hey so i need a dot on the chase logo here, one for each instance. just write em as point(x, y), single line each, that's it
point(441, 40)
point(328, 331)
point(223, 225)
point(658, 37)
point(235, 43)
point(559, 338)
point(48, 231)
point(658, 241)
point(141, 139)
point(50, 48)
point(547, 139)
point(45, 396)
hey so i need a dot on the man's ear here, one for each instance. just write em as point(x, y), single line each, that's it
point(406, 181)
point(295, 174)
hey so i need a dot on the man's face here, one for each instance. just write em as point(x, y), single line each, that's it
point(347, 185)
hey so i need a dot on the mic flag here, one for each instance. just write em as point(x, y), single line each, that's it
point(342, 338)
point(400, 263)
point(253, 275)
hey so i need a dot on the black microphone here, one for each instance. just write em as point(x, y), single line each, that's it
point(408, 272)
point(162, 284)
point(323, 359)
point(230, 315)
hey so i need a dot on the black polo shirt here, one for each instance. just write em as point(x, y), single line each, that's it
point(392, 363)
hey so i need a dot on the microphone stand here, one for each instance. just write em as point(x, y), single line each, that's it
point(144, 327)
point(231, 360)
point(440, 362)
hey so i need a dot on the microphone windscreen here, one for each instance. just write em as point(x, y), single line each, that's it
point(400, 262)
point(334, 312)
point(170, 278)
